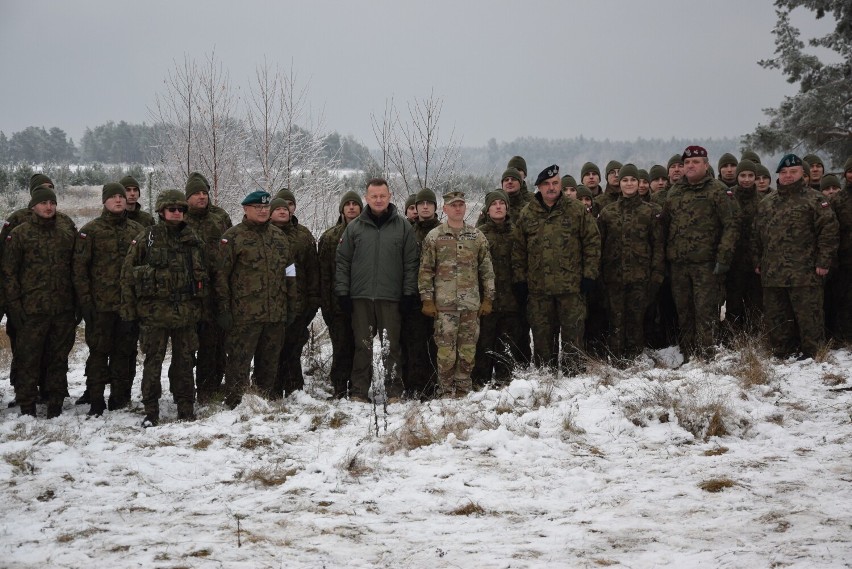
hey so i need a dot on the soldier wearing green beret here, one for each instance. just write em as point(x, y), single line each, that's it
point(39, 292)
point(456, 284)
point(339, 322)
point(164, 281)
point(209, 222)
point(303, 247)
point(99, 254)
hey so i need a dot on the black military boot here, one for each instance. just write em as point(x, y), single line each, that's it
point(97, 408)
point(185, 412)
point(84, 399)
point(117, 401)
point(54, 409)
point(152, 418)
point(28, 410)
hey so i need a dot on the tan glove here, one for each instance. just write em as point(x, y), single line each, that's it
point(486, 307)
point(429, 309)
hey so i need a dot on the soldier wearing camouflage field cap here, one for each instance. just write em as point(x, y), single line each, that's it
point(39, 292)
point(555, 261)
point(455, 266)
point(702, 223)
point(794, 241)
point(163, 283)
point(99, 254)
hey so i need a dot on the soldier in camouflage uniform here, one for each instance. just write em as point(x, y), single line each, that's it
point(703, 225)
point(743, 292)
point(454, 267)
point(816, 170)
point(841, 202)
point(18, 217)
point(209, 222)
point(763, 180)
point(37, 279)
point(134, 210)
point(339, 322)
point(419, 352)
point(794, 240)
point(99, 255)
point(411, 208)
point(728, 169)
point(632, 262)
point(163, 284)
point(501, 333)
point(303, 247)
point(569, 186)
point(555, 260)
point(612, 190)
point(256, 297)
point(590, 176)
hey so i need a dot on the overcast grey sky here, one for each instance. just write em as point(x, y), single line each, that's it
point(603, 69)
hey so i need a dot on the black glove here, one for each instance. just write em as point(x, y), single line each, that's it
point(521, 291)
point(407, 303)
point(344, 301)
point(225, 320)
point(587, 285)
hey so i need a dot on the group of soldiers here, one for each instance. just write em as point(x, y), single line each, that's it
point(648, 259)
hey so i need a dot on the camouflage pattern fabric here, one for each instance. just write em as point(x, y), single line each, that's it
point(456, 333)
point(339, 323)
point(246, 340)
point(153, 341)
point(138, 215)
point(43, 343)
point(697, 297)
point(627, 303)
point(743, 291)
point(609, 196)
point(498, 349)
point(551, 315)
point(794, 318)
point(841, 203)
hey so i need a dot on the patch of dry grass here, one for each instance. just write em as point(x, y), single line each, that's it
point(21, 462)
point(419, 429)
point(715, 451)
point(833, 379)
point(355, 465)
point(697, 413)
point(269, 476)
point(716, 484)
point(88, 532)
point(252, 442)
point(470, 509)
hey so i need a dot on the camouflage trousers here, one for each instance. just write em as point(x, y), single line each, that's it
point(210, 360)
point(597, 323)
point(627, 306)
point(661, 327)
point(498, 350)
point(369, 318)
point(551, 315)
point(261, 341)
point(795, 319)
point(289, 377)
point(456, 333)
point(419, 353)
point(743, 301)
point(342, 351)
point(153, 341)
point(838, 302)
point(110, 350)
point(43, 342)
point(697, 294)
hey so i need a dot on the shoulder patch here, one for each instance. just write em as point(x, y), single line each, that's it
point(8, 238)
point(133, 242)
point(730, 193)
point(224, 241)
point(824, 204)
point(82, 235)
point(6, 223)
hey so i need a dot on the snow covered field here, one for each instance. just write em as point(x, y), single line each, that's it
point(699, 466)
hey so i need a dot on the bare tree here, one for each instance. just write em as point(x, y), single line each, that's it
point(265, 118)
point(174, 113)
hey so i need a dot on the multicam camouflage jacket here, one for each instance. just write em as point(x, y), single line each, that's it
point(795, 231)
point(555, 247)
point(164, 279)
point(702, 221)
point(99, 254)
point(455, 268)
point(37, 273)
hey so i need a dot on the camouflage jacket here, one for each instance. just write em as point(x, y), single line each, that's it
point(327, 251)
point(841, 202)
point(303, 246)
point(500, 241)
point(377, 262)
point(609, 196)
point(631, 242)
point(140, 216)
point(747, 199)
point(37, 272)
point(517, 202)
point(20, 216)
point(455, 270)
point(794, 232)
point(164, 279)
point(702, 222)
point(209, 224)
point(99, 254)
point(554, 248)
point(256, 280)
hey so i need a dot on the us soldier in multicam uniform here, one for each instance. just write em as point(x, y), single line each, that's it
point(99, 255)
point(419, 351)
point(794, 240)
point(702, 220)
point(256, 297)
point(209, 222)
point(555, 260)
point(454, 267)
point(163, 283)
point(303, 247)
point(501, 333)
point(339, 322)
point(15, 219)
point(633, 262)
point(37, 278)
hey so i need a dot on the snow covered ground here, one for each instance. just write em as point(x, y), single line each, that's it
point(698, 466)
